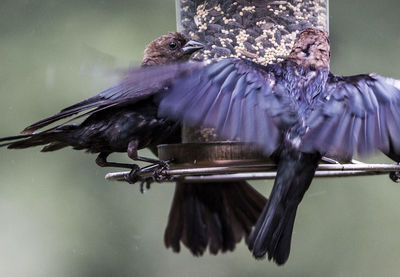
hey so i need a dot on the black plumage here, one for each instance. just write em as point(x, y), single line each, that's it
point(217, 215)
point(362, 110)
point(296, 111)
point(265, 106)
point(124, 118)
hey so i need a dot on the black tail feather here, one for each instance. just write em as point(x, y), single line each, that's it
point(53, 146)
point(49, 120)
point(194, 228)
point(273, 231)
point(52, 139)
point(36, 140)
point(22, 141)
point(17, 137)
point(216, 215)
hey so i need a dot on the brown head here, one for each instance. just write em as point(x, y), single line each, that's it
point(173, 47)
point(311, 49)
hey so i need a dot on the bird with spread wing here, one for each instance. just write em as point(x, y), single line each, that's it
point(213, 215)
point(295, 111)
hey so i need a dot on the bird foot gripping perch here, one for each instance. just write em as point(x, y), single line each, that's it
point(395, 176)
point(147, 175)
point(219, 161)
point(260, 171)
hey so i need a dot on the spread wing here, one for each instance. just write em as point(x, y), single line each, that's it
point(240, 99)
point(140, 83)
point(360, 114)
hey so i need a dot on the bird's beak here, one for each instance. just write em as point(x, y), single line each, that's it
point(192, 46)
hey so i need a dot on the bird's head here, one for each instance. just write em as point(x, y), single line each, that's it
point(173, 47)
point(311, 49)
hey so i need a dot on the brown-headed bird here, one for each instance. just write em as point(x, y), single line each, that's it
point(296, 111)
point(216, 215)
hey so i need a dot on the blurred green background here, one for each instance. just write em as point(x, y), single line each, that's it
point(59, 217)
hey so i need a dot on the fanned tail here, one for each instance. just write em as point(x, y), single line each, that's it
point(272, 234)
point(216, 215)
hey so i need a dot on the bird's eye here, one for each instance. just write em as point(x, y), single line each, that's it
point(172, 45)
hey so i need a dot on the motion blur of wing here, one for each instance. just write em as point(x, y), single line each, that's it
point(140, 83)
point(363, 111)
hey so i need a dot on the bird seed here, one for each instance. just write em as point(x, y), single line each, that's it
point(260, 30)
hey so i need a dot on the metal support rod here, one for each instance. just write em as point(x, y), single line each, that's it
point(272, 175)
point(262, 171)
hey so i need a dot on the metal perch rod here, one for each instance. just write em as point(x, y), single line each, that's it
point(261, 171)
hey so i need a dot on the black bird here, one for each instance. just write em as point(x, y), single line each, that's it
point(296, 111)
point(217, 215)
point(109, 128)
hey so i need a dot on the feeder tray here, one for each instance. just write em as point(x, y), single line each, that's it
point(229, 161)
point(208, 154)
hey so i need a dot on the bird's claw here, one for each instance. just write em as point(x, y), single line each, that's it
point(152, 173)
point(133, 175)
point(148, 181)
point(395, 176)
point(159, 173)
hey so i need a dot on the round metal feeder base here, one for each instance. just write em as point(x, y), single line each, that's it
point(206, 154)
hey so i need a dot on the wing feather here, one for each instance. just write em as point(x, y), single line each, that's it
point(139, 84)
point(361, 113)
point(244, 103)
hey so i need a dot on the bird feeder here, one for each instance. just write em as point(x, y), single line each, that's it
point(262, 31)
